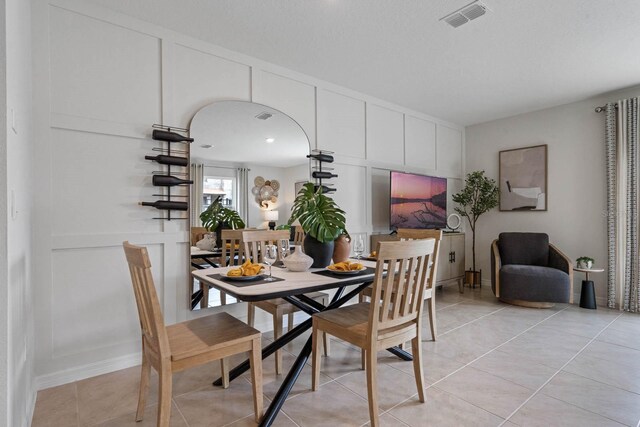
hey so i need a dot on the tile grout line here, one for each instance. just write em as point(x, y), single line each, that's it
point(474, 360)
point(179, 410)
point(557, 372)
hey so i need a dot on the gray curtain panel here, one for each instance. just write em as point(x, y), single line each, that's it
point(242, 190)
point(622, 204)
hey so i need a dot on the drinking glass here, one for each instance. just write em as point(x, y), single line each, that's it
point(358, 247)
point(285, 249)
point(270, 256)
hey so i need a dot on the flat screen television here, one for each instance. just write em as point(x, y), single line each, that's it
point(417, 201)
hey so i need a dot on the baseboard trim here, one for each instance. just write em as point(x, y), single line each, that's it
point(87, 371)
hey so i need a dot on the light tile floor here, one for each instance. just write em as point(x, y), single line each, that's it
point(493, 364)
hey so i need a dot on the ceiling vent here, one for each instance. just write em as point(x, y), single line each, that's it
point(264, 116)
point(467, 13)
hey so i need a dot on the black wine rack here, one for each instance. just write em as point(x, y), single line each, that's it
point(321, 172)
point(171, 135)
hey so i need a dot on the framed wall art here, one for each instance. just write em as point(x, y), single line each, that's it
point(523, 179)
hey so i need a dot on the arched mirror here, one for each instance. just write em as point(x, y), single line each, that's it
point(250, 158)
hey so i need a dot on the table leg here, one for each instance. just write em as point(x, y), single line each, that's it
point(285, 388)
point(588, 295)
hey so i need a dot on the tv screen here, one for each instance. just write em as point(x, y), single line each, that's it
point(418, 201)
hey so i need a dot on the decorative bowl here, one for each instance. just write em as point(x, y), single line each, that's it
point(298, 261)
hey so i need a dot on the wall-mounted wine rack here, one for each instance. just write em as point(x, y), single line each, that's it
point(320, 171)
point(170, 157)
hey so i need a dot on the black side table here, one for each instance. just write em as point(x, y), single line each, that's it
point(588, 292)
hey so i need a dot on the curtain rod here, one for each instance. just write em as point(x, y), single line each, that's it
point(601, 109)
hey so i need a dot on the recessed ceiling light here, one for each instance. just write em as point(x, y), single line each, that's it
point(269, 140)
point(207, 146)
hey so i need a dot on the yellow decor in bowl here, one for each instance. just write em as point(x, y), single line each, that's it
point(246, 269)
point(346, 266)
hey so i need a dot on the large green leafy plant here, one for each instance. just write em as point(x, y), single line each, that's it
point(217, 215)
point(479, 195)
point(318, 214)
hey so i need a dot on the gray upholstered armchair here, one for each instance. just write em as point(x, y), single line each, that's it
point(527, 270)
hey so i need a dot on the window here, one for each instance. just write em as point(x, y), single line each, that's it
point(219, 186)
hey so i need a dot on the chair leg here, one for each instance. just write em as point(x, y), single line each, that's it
point(144, 385)
point(251, 313)
point(204, 302)
point(223, 298)
point(256, 378)
point(289, 322)
point(164, 400)
point(315, 358)
point(416, 350)
point(372, 386)
point(224, 368)
point(277, 333)
point(327, 347)
point(432, 317)
point(363, 356)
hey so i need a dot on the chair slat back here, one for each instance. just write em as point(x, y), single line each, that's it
point(254, 240)
point(232, 247)
point(154, 333)
point(197, 234)
point(413, 234)
point(397, 297)
point(298, 236)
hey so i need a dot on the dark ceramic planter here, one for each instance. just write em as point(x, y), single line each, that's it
point(320, 252)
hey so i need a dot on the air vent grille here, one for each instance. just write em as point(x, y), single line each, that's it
point(467, 13)
point(473, 11)
point(456, 20)
point(264, 116)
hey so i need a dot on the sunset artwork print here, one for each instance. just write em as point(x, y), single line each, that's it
point(418, 201)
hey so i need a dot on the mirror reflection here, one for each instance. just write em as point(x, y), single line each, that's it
point(247, 162)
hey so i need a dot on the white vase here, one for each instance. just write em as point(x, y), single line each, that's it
point(208, 243)
point(298, 261)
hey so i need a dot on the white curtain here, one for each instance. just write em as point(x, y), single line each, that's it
point(242, 190)
point(622, 204)
point(197, 175)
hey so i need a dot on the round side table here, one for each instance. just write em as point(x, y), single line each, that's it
point(588, 292)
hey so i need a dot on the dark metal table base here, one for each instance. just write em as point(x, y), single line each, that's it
point(588, 295)
point(310, 307)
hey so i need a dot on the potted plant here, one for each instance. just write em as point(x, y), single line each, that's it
point(479, 195)
point(322, 221)
point(585, 262)
point(216, 217)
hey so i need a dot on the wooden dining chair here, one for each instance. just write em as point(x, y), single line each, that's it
point(384, 321)
point(197, 234)
point(298, 235)
point(174, 348)
point(429, 292)
point(232, 254)
point(278, 307)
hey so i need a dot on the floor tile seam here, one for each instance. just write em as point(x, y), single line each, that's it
point(557, 372)
point(578, 407)
point(619, 345)
point(451, 394)
point(473, 321)
point(402, 423)
point(180, 412)
point(493, 349)
point(601, 382)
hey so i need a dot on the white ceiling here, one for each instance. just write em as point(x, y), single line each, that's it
point(522, 56)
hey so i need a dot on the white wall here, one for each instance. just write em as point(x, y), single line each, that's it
point(18, 393)
point(101, 80)
point(575, 219)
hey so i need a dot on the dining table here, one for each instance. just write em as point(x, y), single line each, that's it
point(292, 287)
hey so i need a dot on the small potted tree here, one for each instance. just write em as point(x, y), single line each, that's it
point(322, 221)
point(216, 217)
point(479, 195)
